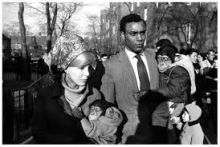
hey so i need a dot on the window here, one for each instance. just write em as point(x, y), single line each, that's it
point(145, 14)
point(170, 3)
point(157, 4)
point(188, 3)
point(114, 30)
point(132, 6)
point(188, 31)
point(107, 24)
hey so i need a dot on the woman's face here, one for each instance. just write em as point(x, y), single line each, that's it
point(200, 58)
point(79, 75)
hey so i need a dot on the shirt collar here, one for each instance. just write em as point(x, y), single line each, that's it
point(132, 54)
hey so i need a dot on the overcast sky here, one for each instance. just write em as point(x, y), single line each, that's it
point(10, 14)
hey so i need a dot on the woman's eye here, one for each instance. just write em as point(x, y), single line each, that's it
point(82, 67)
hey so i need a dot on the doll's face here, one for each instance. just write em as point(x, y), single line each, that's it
point(95, 112)
point(185, 116)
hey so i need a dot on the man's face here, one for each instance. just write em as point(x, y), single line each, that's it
point(193, 57)
point(211, 56)
point(134, 36)
point(163, 63)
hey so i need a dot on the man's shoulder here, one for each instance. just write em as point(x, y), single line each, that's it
point(150, 51)
point(115, 59)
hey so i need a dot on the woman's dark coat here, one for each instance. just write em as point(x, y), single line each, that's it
point(51, 123)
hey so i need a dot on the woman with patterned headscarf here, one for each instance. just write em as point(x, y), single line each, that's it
point(56, 118)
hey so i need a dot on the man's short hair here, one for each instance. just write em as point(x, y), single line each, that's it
point(191, 50)
point(128, 19)
point(210, 50)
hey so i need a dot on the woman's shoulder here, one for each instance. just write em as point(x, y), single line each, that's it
point(52, 90)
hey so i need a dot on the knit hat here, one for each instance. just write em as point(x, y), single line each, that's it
point(168, 50)
point(65, 50)
point(194, 111)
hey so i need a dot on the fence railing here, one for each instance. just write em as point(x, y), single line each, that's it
point(10, 76)
point(18, 110)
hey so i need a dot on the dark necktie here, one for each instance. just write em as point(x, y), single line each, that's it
point(143, 75)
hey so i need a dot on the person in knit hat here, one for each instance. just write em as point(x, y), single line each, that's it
point(192, 132)
point(56, 119)
point(174, 86)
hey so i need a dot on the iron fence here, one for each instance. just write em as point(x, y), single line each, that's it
point(18, 110)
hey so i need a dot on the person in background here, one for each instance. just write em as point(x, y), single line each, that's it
point(104, 57)
point(208, 64)
point(55, 118)
point(195, 58)
point(132, 70)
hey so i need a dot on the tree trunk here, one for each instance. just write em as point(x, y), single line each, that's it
point(50, 25)
point(25, 64)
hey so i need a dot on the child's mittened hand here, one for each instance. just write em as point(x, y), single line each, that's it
point(175, 119)
point(179, 125)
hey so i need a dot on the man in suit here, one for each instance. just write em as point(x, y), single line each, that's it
point(129, 72)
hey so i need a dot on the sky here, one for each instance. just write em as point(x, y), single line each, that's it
point(10, 15)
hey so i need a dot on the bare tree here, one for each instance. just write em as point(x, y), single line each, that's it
point(23, 41)
point(65, 12)
point(179, 16)
point(94, 30)
point(128, 4)
point(50, 23)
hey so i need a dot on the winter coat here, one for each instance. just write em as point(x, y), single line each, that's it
point(52, 121)
point(192, 132)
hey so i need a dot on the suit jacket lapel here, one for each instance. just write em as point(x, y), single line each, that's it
point(128, 69)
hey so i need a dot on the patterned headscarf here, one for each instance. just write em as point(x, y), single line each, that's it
point(65, 50)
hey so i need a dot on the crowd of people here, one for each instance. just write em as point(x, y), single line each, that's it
point(138, 96)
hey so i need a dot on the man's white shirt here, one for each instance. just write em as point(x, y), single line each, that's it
point(133, 60)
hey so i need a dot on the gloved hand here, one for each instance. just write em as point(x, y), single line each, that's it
point(77, 113)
